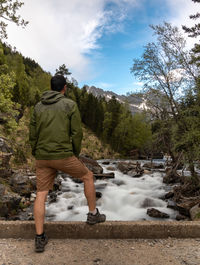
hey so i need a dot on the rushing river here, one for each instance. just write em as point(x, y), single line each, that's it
point(123, 198)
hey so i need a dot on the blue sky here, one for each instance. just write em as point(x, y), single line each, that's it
point(96, 39)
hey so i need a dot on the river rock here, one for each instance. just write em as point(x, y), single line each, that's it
point(171, 204)
point(57, 183)
point(70, 207)
point(181, 217)
point(118, 182)
point(171, 176)
point(100, 186)
point(98, 194)
point(195, 212)
point(111, 168)
point(91, 164)
point(105, 163)
point(169, 195)
point(150, 165)
point(134, 174)
point(148, 202)
point(52, 197)
point(185, 206)
point(156, 213)
point(126, 167)
point(110, 175)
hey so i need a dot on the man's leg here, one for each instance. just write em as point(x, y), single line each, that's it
point(89, 190)
point(77, 169)
point(39, 211)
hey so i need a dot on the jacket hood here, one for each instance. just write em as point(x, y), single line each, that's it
point(51, 97)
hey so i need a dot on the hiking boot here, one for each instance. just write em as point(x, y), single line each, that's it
point(95, 218)
point(40, 243)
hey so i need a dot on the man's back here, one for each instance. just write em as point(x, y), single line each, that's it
point(55, 128)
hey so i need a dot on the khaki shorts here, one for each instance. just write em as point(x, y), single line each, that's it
point(46, 171)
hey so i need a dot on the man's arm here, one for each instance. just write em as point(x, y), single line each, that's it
point(76, 130)
point(32, 132)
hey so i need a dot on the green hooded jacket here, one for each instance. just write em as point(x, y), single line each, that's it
point(55, 127)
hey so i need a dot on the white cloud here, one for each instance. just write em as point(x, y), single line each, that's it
point(180, 12)
point(65, 31)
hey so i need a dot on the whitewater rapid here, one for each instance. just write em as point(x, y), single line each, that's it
point(123, 198)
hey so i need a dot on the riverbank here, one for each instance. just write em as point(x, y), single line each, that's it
point(125, 190)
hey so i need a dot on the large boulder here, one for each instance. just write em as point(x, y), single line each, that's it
point(22, 184)
point(171, 176)
point(156, 213)
point(186, 204)
point(91, 164)
point(9, 204)
point(125, 167)
point(195, 212)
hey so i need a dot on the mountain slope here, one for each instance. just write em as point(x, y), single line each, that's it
point(135, 101)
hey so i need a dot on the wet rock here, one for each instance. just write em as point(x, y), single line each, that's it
point(150, 165)
point(52, 197)
point(156, 213)
point(111, 168)
point(118, 182)
point(169, 195)
point(171, 204)
point(147, 171)
point(148, 202)
point(180, 217)
point(105, 175)
point(98, 194)
point(57, 183)
point(195, 212)
point(91, 164)
point(135, 174)
point(70, 207)
point(100, 186)
point(105, 163)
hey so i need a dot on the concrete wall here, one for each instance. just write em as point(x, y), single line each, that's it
point(107, 230)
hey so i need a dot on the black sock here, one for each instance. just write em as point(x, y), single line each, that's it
point(41, 235)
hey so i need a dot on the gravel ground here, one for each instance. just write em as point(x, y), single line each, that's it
point(102, 252)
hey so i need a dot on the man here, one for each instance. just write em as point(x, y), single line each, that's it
point(55, 138)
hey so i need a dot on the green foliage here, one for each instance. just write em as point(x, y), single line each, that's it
point(8, 12)
point(8, 108)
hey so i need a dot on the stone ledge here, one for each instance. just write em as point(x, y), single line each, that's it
point(107, 230)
